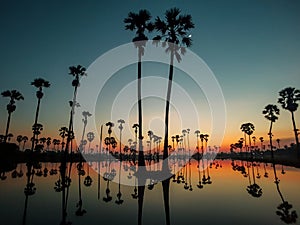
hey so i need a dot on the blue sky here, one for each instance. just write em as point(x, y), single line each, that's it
point(253, 48)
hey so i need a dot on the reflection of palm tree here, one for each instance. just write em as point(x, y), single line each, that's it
point(140, 23)
point(174, 31)
point(119, 201)
point(271, 112)
point(80, 211)
point(11, 107)
point(288, 100)
point(29, 189)
point(284, 209)
point(253, 189)
point(39, 83)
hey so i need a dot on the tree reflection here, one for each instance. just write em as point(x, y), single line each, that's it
point(285, 209)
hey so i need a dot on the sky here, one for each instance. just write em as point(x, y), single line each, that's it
point(252, 48)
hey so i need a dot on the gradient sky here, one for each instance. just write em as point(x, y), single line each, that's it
point(252, 47)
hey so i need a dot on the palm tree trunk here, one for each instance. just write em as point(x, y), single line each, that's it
point(35, 122)
point(270, 137)
point(296, 134)
point(7, 126)
point(141, 160)
point(69, 139)
point(165, 153)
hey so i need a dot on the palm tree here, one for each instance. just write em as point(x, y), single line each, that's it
point(109, 125)
point(39, 83)
point(197, 132)
point(248, 128)
point(14, 96)
point(9, 136)
point(77, 72)
point(278, 142)
point(48, 142)
point(288, 100)
point(63, 131)
point(19, 139)
point(254, 141)
point(261, 142)
point(43, 140)
point(150, 135)
point(271, 113)
point(121, 121)
point(140, 22)
point(174, 32)
point(135, 127)
point(85, 115)
point(24, 139)
point(90, 137)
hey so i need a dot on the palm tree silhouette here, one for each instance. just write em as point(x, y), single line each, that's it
point(19, 140)
point(14, 96)
point(197, 132)
point(39, 83)
point(261, 143)
point(24, 139)
point(271, 112)
point(63, 131)
point(248, 128)
point(90, 137)
point(174, 32)
point(85, 115)
point(288, 100)
point(278, 142)
point(36, 129)
point(141, 23)
point(77, 72)
point(283, 210)
point(121, 121)
point(48, 142)
point(109, 125)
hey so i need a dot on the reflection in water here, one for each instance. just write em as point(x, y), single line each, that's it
point(284, 210)
point(175, 195)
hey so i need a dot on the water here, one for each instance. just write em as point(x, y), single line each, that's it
point(224, 201)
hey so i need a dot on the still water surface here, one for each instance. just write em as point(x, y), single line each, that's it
point(225, 200)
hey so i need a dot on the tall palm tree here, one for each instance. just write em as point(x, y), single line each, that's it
point(109, 125)
point(77, 72)
point(288, 100)
point(150, 135)
point(24, 139)
point(121, 121)
point(39, 83)
point(14, 96)
point(248, 128)
point(271, 113)
point(140, 22)
point(175, 32)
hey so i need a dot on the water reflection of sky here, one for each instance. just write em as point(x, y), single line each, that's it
point(225, 201)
